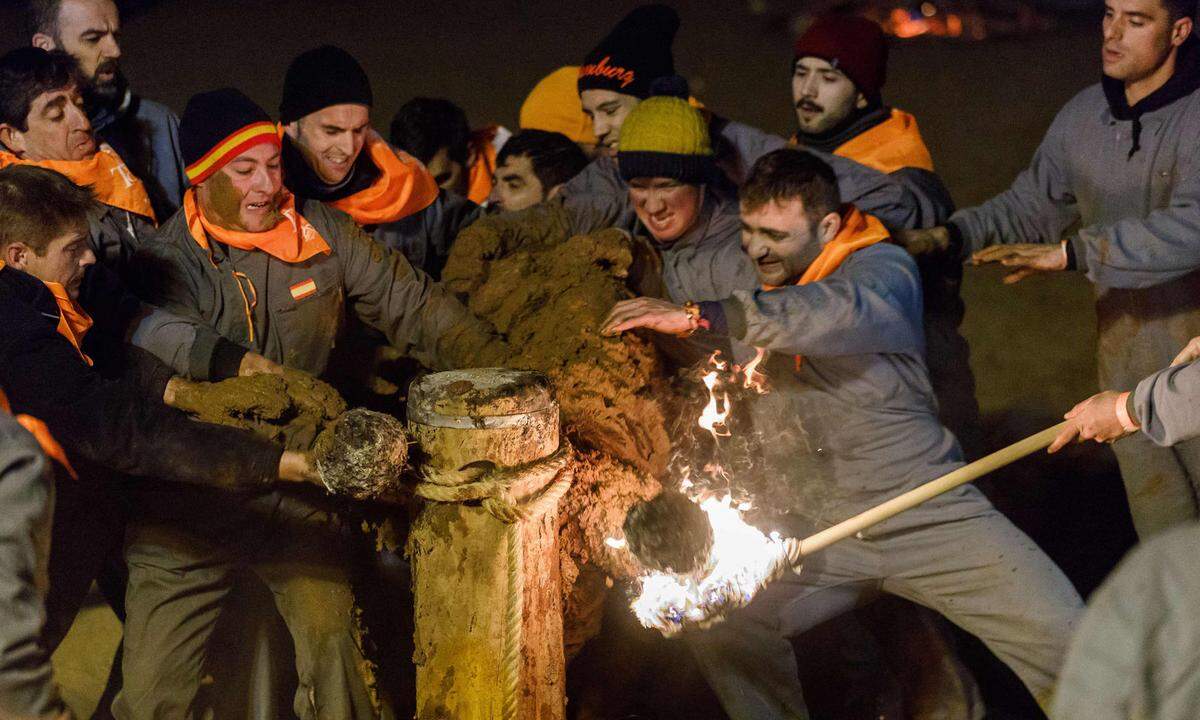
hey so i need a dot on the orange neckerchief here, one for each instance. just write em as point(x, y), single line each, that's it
point(104, 172)
point(293, 240)
point(404, 187)
point(41, 433)
point(73, 320)
point(891, 145)
point(483, 164)
point(859, 230)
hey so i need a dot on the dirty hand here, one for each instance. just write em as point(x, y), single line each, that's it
point(650, 313)
point(1093, 419)
point(923, 242)
point(1189, 353)
point(295, 467)
point(253, 363)
point(1028, 258)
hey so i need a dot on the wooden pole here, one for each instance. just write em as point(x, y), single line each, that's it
point(916, 496)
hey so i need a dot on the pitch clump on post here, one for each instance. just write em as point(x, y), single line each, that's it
point(669, 533)
point(362, 454)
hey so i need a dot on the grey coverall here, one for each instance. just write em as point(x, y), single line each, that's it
point(1167, 404)
point(27, 688)
point(1136, 654)
point(858, 424)
point(187, 545)
point(1139, 243)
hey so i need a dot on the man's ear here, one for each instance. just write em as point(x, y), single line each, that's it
point(292, 129)
point(1181, 31)
point(554, 191)
point(860, 102)
point(43, 41)
point(829, 227)
point(14, 255)
point(12, 139)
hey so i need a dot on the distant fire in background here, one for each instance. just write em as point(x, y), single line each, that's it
point(968, 21)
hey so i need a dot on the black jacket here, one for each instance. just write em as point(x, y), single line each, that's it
point(112, 415)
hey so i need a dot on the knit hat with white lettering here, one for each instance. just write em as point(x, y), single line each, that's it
point(216, 127)
point(634, 54)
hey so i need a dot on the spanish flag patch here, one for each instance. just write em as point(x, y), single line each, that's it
point(303, 289)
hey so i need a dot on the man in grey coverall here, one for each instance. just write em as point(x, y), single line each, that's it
point(849, 380)
point(1121, 161)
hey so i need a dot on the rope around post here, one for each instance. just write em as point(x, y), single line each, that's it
point(510, 495)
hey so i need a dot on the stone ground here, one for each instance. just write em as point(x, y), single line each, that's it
point(982, 107)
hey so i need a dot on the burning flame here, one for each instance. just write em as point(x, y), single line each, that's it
point(742, 558)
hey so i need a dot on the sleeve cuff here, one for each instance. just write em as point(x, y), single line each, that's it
point(226, 360)
point(735, 318)
point(713, 314)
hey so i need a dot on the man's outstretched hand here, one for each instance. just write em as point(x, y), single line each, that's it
point(650, 313)
point(1027, 259)
point(253, 363)
point(1093, 419)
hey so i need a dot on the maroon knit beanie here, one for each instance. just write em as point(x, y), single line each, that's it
point(852, 44)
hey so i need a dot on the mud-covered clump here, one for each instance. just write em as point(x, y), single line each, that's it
point(291, 409)
point(362, 454)
point(669, 533)
point(548, 293)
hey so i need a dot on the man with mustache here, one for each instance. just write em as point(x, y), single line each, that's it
point(532, 167)
point(276, 273)
point(1121, 162)
point(144, 133)
point(331, 154)
point(853, 422)
point(64, 360)
point(43, 123)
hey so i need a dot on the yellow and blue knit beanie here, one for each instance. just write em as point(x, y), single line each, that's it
point(664, 136)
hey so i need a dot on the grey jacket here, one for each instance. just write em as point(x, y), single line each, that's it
point(116, 235)
point(1167, 404)
point(1139, 217)
point(425, 237)
point(146, 136)
point(859, 415)
point(27, 687)
point(256, 308)
point(1135, 654)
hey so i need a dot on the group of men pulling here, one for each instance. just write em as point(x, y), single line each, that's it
point(139, 251)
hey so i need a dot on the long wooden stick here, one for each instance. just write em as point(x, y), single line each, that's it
point(933, 488)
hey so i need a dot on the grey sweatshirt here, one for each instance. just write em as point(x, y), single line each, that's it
point(27, 686)
point(1167, 404)
point(859, 414)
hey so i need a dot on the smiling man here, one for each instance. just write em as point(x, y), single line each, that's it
point(144, 133)
point(332, 154)
point(853, 420)
point(278, 274)
point(1122, 161)
point(43, 123)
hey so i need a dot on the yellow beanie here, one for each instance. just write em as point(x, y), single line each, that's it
point(553, 105)
point(665, 136)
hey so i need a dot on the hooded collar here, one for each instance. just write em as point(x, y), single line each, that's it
point(1182, 83)
point(855, 124)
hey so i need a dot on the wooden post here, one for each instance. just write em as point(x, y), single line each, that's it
point(488, 597)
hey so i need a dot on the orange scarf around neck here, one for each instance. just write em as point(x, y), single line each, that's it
point(859, 230)
point(404, 187)
point(292, 240)
point(483, 164)
point(104, 172)
point(40, 432)
point(73, 320)
point(891, 145)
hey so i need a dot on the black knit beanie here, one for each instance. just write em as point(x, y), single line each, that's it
point(634, 54)
point(216, 127)
point(322, 77)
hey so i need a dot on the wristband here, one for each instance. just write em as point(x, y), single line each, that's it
point(1127, 422)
